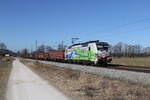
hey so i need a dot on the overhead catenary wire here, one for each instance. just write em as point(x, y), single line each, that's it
point(120, 26)
point(135, 22)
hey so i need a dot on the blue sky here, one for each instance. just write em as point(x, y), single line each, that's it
point(22, 22)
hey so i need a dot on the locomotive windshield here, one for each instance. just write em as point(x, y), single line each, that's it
point(102, 47)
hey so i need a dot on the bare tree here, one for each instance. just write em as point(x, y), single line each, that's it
point(146, 51)
point(3, 46)
point(44, 48)
point(41, 48)
point(47, 48)
point(24, 52)
point(117, 49)
point(61, 46)
point(126, 50)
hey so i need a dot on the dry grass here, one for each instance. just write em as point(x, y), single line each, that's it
point(138, 61)
point(85, 86)
point(5, 69)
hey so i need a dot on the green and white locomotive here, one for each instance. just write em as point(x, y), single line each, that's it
point(94, 52)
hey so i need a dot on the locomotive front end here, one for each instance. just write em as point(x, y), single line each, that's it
point(103, 54)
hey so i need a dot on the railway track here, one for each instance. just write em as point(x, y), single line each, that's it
point(129, 68)
point(125, 68)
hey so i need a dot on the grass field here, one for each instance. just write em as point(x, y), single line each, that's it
point(137, 61)
point(5, 69)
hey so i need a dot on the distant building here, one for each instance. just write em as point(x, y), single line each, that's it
point(5, 52)
point(7, 55)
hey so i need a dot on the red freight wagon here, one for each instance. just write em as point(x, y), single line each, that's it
point(35, 55)
point(30, 56)
point(56, 54)
point(41, 55)
point(27, 56)
point(38, 55)
point(46, 56)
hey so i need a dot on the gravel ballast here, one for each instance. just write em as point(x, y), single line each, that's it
point(137, 77)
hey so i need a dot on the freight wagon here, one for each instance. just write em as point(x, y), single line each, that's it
point(56, 55)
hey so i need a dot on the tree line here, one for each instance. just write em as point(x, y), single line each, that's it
point(41, 48)
point(4, 50)
point(118, 50)
point(127, 50)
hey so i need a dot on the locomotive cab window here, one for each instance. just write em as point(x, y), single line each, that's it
point(102, 47)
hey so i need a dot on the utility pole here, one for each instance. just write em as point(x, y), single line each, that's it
point(62, 43)
point(74, 39)
point(36, 44)
point(31, 49)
